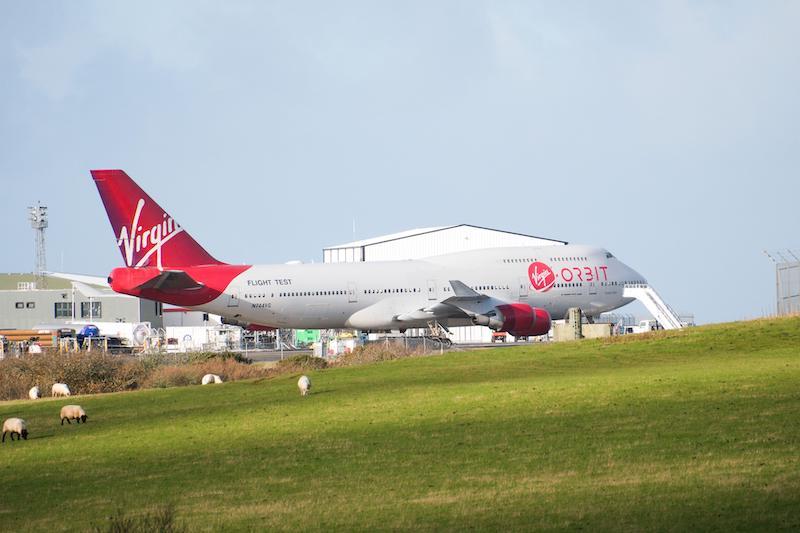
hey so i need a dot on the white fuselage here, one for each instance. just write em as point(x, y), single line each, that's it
point(371, 296)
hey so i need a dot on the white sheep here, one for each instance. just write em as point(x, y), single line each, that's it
point(304, 384)
point(60, 389)
point(15, 426)
point(211, 378)
point(73, 412)
point(34, 393)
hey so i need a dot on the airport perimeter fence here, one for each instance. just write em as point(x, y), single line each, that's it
point(787, 282)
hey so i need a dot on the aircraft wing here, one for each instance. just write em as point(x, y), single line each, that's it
point(172, 280)
point(465, 303)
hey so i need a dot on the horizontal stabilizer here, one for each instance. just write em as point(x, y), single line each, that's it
point(171, 280)
point(89, 280)
point(89, 291)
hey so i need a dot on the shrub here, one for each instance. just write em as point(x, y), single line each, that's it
point(90, 373)
point(192, 374)
point(299, 363)
point(375, 352)
point(230, 369)
point(200, 357)
point(171, 376)
point(85, 373)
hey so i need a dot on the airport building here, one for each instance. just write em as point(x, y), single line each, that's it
point(62, 304)
point(26, 304)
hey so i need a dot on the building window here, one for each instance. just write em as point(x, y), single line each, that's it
point(96, 310)
point(30, 305)
point(20, 305)
point(63, 310)
point(159, 308)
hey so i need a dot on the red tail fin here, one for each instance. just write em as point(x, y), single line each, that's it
point(146, 234)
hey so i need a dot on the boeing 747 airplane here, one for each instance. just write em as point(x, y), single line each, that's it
point(515, 290)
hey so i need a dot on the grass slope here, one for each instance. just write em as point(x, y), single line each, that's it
point(692, 430)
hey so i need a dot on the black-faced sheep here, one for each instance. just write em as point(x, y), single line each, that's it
point(15, 426)
point(73, 412)
point(34, 393)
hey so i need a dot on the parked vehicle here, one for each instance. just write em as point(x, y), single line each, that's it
point(499, 336)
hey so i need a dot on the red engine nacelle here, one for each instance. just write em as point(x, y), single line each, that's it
point(522, 320)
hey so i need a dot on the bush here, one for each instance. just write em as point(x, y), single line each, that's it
point(201, 357)
point(300, 363)
point(171, 376)
point(85, 373)
point(192, 374)
point(156, 359)
point(375, 352)
point(90, 373)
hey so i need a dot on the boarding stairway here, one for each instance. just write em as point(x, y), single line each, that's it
point(654, 304)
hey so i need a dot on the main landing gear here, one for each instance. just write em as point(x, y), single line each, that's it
point(438, 333)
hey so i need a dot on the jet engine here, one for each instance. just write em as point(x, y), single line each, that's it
point(518, 319)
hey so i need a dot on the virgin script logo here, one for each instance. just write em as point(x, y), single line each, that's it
point(133, 241)
point(542, 276)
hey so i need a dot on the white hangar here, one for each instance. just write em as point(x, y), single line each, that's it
point(427, 242)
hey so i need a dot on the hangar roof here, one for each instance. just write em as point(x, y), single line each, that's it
point(422, 231)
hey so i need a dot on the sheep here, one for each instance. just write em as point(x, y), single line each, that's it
point(73, 412)
point(15, 426)
point(60, 389)
point(304, 384)
point(34, 393)
point(211, 378)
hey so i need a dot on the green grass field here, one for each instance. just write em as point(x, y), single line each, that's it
point(695, 430)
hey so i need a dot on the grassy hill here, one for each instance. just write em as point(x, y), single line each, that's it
point(692, 430)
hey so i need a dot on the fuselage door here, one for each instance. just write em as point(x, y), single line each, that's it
point(233, 300)
point(433, 294)
point(352, 292)
point(523, 287)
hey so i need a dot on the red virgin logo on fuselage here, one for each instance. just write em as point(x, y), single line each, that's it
point(542, 277)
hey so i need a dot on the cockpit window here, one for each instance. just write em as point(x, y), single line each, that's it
point(609, 255)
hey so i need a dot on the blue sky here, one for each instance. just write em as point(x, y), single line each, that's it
point(668, 132)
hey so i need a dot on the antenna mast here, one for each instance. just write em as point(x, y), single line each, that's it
point(38, 218)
